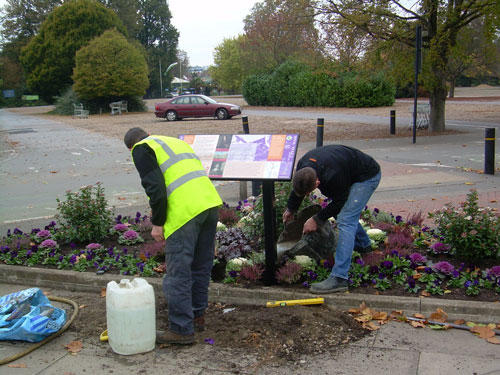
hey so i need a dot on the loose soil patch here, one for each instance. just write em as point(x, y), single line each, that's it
point(275, 334)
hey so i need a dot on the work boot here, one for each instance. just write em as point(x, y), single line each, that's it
point(364, 250)
point(169, 337)
point(199, 323)
point(331, 285)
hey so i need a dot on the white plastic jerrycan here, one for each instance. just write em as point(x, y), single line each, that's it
point(131, 316)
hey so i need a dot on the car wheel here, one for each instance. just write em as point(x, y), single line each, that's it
point(221, 114)
point(171, 116)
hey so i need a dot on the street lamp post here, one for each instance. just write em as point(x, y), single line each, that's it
point(167, 70)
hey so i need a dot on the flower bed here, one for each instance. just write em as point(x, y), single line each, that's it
point(458, 258)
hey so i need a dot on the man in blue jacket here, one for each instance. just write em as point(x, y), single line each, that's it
point(349, 177)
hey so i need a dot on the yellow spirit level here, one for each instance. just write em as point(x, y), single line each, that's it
point(293, 302)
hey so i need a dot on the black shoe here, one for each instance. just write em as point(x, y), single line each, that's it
point(364, 250)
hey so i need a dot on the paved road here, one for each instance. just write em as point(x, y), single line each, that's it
point(43, 159)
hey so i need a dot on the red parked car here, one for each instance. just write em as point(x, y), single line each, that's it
point(195, 106)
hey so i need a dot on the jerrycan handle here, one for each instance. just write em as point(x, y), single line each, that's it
point(125, 283)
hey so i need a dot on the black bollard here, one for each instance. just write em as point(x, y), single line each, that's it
point(320, 125)
point(393, 122)
point(489, 151)
point(246, 129)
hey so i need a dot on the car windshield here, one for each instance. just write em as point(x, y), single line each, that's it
point(210, 100)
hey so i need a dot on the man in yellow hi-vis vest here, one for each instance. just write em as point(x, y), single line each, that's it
point(184, 206)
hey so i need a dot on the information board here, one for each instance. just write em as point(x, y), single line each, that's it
point(245, 156)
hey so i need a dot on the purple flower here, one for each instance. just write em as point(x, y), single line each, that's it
point(418, 258)
point(73, 258)
point(43, 234)
point(35, 230)
point(382, 275)
point(467, 284)
point(93, 246)
point(29, 253)
point(386, 264)
point(428, 270)
point(444, 267)
point(72, 245)
point(399, 219)
point(395, 253)
point(455, 274)
point(312, 275)
point(209, 341)
point(411, 282)
point(120, 227)
point(373, 269)
point(49, 244)
point(5, 249)
point(440, 248)
point(494, 272)
point(130, 235)
point(360, 261)
point(233, 273)
point(305, 284)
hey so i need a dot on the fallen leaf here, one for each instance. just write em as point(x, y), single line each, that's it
point(439, 316)
point(483, 332)
point(459, 322)
point(493, 340)
point(417, 324)
point(416, 275)
point(53, 171)
point(82, 306)
point(121, 198)
point(447, 291)
point(425, 293)
point(379, 315)
point(418, 316)
point(420, 268)
point(469, 183)
point(370, 326)
point(411, 200)
point(363, 318)
point(493, 201)
point(74, 346)
point(103, 292)
point(354, 311)
point(17, 365)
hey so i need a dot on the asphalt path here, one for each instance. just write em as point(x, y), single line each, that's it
point(40, 160)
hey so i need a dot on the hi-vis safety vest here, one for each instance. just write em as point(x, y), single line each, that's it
point(189, 190)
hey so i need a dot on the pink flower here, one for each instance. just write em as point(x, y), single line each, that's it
point(418, 258)
point(494, 272)
point(130, 235)
point(48, 244)
point(121, 227)
point(93, 246)
point(444, 267)
point(43, 234)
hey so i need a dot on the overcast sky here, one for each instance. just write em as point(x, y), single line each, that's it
point(203, 24)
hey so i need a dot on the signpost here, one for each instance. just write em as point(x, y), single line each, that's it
point(250, 157)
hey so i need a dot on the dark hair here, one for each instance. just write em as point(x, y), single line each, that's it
point(304, 181)
point(133, 136)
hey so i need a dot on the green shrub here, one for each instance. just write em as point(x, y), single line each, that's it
point(294, 84)
point(472, 232)
point(84, 216)
point(64, 103)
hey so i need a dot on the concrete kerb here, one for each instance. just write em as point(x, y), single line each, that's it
point(479, 312)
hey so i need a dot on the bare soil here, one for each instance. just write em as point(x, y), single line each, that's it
point(271, 334)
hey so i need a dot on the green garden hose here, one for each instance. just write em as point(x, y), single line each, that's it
point(53, 336)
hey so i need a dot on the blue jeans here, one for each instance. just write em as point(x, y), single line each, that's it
point(351, 233)
point(189, 257)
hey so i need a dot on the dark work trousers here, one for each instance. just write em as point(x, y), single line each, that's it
point(189, 257)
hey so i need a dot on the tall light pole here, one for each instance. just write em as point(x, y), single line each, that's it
point(166, 71)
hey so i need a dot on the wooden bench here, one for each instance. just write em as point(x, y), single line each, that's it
point(79, 111)
point(118, 107)
point(423, 113)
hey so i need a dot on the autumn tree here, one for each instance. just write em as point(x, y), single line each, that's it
point(49, 57)
point(227, 71)
point(277, 30)
point(110, 67)
point(397, 20)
